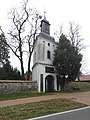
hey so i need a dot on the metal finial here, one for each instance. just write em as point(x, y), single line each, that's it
point(44, 15)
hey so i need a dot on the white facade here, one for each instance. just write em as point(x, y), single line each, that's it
point(42, 46)
point(43, 70)
point(39, 70)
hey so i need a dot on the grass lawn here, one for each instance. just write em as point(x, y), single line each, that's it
point(30, 110)
point(23, 95)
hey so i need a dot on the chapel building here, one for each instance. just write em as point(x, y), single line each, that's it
point(43, 70)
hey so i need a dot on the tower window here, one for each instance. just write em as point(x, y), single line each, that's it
point(35, 56)
point(43, 42)
point(48, 54)
point(48, 44)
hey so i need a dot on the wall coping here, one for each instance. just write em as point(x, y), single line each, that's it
point(16, 81)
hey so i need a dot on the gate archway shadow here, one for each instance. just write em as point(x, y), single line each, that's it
point(49, 83)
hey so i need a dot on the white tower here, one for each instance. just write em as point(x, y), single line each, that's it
point(43, 70)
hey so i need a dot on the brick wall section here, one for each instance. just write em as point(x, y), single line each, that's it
point(10, 86)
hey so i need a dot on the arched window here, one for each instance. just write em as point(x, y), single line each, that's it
point(48, 54)
point(35, 56)
point(53, 46)
point(43, 42)
point(48, 44)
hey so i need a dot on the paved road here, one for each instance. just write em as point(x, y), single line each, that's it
point(81, 114)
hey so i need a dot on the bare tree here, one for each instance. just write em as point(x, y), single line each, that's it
point(23, 33)
point(59, 32)
point(75, 37)
point(76, 40)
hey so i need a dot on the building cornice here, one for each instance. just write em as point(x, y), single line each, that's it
point(46, 36)
point(41, 64)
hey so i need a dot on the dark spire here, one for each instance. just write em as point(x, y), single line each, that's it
point(45, 26)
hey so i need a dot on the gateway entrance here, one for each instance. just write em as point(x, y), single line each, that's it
point(49, 83)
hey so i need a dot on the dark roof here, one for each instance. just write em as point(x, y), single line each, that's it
point(44, 20)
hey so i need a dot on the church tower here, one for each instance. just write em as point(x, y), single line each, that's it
point(43, 70)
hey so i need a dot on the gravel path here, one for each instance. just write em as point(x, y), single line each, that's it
point(82, 97)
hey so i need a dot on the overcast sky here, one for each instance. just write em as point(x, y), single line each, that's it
point(57, 12)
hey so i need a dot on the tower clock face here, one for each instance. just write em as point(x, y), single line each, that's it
point(46, 28)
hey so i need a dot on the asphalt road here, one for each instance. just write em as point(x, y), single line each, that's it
point(81, 114)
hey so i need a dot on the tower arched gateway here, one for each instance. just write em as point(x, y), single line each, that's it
point(49, 83)
point(43, 70)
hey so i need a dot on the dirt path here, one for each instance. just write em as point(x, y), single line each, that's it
point(82, 97)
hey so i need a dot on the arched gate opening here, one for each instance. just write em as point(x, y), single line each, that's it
point(49, 83)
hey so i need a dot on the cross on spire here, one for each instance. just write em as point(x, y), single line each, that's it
point(44, 15)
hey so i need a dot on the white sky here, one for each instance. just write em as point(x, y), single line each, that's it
point(57, 12)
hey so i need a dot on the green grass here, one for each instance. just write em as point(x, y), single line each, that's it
point(23, 95)
point(30, 110)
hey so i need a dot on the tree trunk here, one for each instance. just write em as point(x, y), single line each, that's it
point(28, 73)
point(22, 70)
point(21, 61)
point(62, 83)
